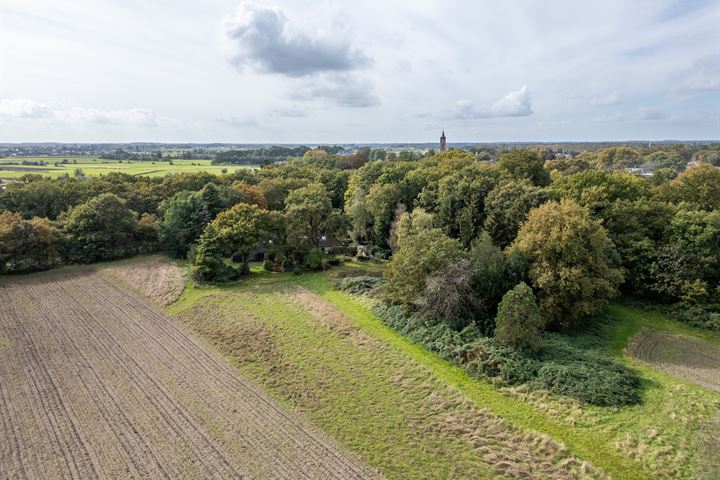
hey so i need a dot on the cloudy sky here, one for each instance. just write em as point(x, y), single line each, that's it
point(364, 71)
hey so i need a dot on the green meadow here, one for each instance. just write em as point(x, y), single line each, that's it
point(11, 168)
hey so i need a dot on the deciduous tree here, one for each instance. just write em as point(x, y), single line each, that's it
point(418, 256)
point(572, 262)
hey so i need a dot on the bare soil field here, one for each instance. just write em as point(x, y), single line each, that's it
point(156, 277)
point(683, 357)
point(96, 382)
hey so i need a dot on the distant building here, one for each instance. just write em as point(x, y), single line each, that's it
point(442, 141)
point(640, 171)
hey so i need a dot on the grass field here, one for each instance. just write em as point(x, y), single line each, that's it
point(93, 166)
point(317, 373)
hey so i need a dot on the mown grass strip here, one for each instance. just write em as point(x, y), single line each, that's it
point(585, 444)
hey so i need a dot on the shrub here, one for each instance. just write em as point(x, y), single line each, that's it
point(574, 366)
point(315, 260)
point(268, 265)
point(518, 322)
point(216, 271)
point(350, 250)
point(696, 316)
point(192, 250)
point(605, 387)
point(360, 284)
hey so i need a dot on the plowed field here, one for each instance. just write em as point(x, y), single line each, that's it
point(96, 382)
point(683, 357)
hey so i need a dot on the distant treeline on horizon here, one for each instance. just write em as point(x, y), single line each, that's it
point(269, 152)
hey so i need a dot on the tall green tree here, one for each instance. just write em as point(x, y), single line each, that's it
point(519, 322)
point(238, 230)
point(102, 228)
point(417, 257)
point(359, 215)
point(699, 185)
point(461, 201)
point(524, 165)
point(506, 208)
point(29, 245)
point(572, 261)
point(596, 190)
point(382, 201)
point(310, 216)
point(618, 158)
point(185, 216)
point(494, 273)
point(637, 228)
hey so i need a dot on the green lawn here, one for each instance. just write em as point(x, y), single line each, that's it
point(93, 166)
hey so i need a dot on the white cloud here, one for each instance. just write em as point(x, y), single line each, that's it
point(514, 104)
point(344, 89)
point(257, 36)
point(652, 113)
point(134, 116)
point(610, 118)
point(24, 108)
point(21, 108)
point(292, 111)
point(613, 98)
point(236, 121)
point(702, 76)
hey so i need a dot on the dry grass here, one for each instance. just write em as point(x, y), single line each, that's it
point(156, 277)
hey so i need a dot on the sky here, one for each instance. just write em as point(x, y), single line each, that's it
point(322, 71)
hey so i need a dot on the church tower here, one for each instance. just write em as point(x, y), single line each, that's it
point(442, 141)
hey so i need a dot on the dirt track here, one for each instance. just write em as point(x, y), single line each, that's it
point(96, 382)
